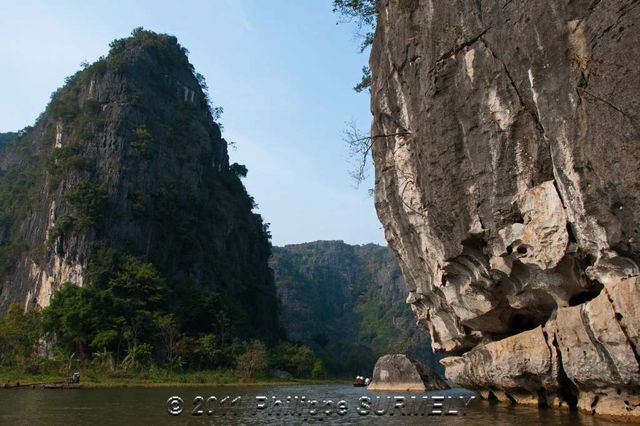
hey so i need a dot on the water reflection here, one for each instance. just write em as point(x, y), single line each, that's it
point(134, 406)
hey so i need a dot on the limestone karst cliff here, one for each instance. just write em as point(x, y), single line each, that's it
point(346, 302)
point(509, 190)
point(127, 160)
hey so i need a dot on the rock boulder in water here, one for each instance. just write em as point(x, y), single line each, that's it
point(400, 373)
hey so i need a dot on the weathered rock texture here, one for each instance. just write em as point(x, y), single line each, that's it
point(127, 158)
point(509, 190)
point(401, 373)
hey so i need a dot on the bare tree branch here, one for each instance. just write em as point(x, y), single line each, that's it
point(359, 147)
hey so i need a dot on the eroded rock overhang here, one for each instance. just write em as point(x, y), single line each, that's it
point(510, 191)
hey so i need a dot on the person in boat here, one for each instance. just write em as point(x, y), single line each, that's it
point(358, 380)
point(367, 381)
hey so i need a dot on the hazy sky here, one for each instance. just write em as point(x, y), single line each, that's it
point(281, 69)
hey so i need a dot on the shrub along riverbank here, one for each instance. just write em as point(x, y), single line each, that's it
point(50, 345)
point(90, 378)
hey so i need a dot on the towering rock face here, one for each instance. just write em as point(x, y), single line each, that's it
point(508, 187)
point(127, 158)
point(346, 302)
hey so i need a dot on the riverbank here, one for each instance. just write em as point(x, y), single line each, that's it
point(157, 379)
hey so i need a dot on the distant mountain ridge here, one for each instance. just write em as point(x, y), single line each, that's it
point(346, 302)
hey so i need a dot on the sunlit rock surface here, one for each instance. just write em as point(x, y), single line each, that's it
point(400, 373)
point(509, 191)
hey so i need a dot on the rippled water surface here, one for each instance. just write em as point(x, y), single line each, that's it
point(138, 406)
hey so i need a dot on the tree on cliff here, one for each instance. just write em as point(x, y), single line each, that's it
point(359, 145)
point(363, 13)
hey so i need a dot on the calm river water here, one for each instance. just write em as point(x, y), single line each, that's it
point(137, 406)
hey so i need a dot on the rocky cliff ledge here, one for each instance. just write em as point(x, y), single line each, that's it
point(508, 187)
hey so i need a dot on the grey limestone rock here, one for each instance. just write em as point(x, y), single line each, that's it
point(510, 190)
point(400, 373)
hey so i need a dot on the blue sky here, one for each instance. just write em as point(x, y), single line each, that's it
point(282, 70)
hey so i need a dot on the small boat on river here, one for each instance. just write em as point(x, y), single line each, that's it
point(361, 382)
point(72, 382)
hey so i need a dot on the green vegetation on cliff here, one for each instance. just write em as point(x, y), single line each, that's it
point(347, 303)
point(119, 209)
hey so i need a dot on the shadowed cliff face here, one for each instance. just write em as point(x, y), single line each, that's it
point(510, 191)
point(128, 159)
point(346, 302)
